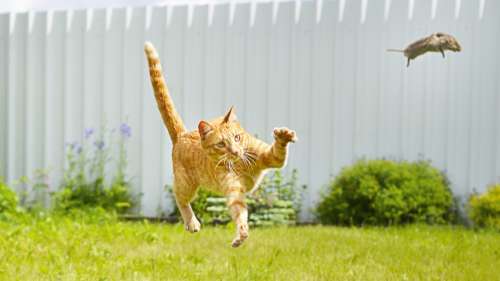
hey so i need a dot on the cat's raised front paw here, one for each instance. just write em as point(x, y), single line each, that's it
point(193, 226)
point(285, 135)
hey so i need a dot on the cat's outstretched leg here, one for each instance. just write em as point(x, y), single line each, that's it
point(183, 197)
point(239, 214)
point(276, 154)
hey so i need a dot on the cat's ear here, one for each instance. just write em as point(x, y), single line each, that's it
point(230, 116)
point(204, 128)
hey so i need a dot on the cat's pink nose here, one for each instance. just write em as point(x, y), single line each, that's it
point(234, 151)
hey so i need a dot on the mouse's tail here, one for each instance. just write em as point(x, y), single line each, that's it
point(395, 50)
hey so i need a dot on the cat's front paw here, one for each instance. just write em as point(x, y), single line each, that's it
point(193, 225)
point(284, 135)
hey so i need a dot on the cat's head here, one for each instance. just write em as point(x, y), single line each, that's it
point(224, 139)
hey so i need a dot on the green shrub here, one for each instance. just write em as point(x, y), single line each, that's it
point(33, 193)
point(484, 209)
point(8, 202)
point(384, 192)
point(199, 205)
point(85, 184)
point(275, 202)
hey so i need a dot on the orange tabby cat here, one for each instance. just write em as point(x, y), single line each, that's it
point(220, 156)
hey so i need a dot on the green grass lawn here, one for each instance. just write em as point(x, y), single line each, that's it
point(65, 250)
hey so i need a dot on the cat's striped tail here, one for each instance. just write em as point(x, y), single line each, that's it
point(171, 118)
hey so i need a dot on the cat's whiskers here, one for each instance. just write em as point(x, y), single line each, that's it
point(245, 162)
point(250, 154)
point(251, 160)
point(250, 157)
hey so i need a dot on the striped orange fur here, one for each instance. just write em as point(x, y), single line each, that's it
point(220, 156)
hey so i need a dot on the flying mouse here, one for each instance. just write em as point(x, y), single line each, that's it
point(436, 42)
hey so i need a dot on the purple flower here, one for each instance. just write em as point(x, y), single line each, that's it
point(74, 146)
point(88, 132)
point(125, 130)
point(99, 144)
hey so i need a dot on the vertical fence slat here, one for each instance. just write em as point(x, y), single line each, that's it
point(370, 51)
point(73, 87)
point(214, 62)
point(299, 94)
point(279, 68)
point(236, 48)
point(467, 82)
point(257, 57)
point(345, 85)
point(321, 100)
point(4, 87)
point(487, 89)
point(194, 67)
point(174, 56)
point(134, 66)
point(452, 127)
point(93, 67)
point(112, 79)
point(392, 104)
point(54, 103)
point(17, 96)
point(35, 92)
point(496, 73)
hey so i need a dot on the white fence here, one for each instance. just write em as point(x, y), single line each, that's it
point(319, 67)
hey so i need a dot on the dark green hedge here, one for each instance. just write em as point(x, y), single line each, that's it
point(385, 192)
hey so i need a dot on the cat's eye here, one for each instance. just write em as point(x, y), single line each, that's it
point(220, 144)
point(237, 138)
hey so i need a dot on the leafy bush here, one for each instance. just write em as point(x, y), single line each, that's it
point(85, 184)
point(199, 205)
point(484, 209)
point(33, 192)
point(8, 202)
point(275, 202)
point(384, 192)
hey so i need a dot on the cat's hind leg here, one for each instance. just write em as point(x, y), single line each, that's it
point(183, 196)
point(239, 214)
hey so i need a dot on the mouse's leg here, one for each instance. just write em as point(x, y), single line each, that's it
point(442, 52)
point(408, 62)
